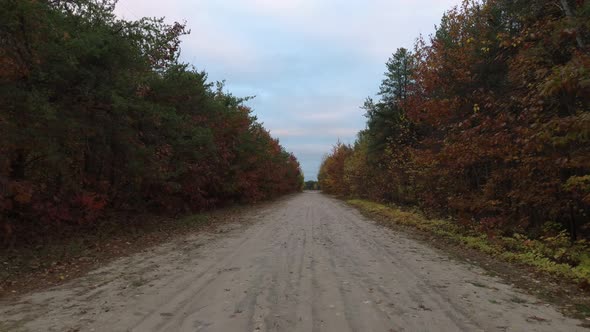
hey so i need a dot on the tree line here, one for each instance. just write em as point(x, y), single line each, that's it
point(98, 114)
point(311, 185)
point(486, 121)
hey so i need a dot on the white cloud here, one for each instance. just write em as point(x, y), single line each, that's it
point(310, 148)
point(373, 28)
point(281, 7)
point(313, 132)
point(210, 41)
point(221, 47)
point(330, 115)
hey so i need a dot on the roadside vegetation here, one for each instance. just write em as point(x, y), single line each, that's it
point(551, 254)
point(61, 259)
point(99, 116)
point(484, 127)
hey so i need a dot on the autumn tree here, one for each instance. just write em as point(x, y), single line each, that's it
point(492, 128)
point(97, 113)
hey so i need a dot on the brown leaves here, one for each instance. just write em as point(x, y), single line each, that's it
point(22, 192)
point(501, 111)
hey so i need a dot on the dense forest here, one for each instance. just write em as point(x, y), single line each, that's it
point(485, 122)
point(99, 114)
point(311, 185)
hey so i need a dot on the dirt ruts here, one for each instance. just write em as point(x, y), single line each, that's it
point(307, 263)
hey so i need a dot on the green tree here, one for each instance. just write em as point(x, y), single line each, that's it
point(97, 113)
point(386, 119)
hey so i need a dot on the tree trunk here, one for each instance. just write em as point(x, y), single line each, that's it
point(18, 165)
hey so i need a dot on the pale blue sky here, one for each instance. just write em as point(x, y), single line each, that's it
point(310, 63)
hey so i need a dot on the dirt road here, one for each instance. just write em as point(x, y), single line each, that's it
point(307, 263)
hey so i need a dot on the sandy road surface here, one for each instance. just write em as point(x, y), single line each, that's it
point(309, 263)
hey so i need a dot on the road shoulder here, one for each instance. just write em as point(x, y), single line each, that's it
point(27, 269)
point(572, 299)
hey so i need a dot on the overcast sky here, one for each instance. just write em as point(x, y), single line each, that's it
point(310, 63)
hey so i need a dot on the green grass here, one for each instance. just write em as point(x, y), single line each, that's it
point(517, 300)
point(541, 254)
point(583, 308)
point(194, 220)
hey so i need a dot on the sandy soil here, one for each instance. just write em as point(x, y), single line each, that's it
point(308, 263)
